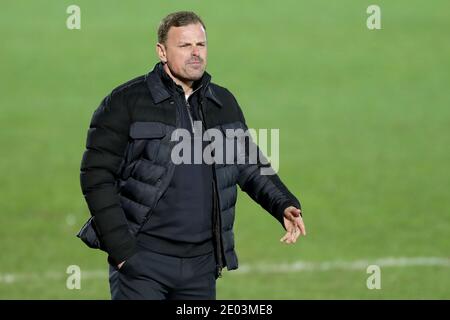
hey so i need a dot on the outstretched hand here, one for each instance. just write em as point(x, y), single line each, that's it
point(294, 225)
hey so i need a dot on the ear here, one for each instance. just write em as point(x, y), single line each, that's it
point(161, 52)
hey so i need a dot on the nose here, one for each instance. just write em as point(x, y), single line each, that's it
point(195, 51)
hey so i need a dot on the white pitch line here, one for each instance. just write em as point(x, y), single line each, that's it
point(52, 275)
point(399, 262)
point(345, 265)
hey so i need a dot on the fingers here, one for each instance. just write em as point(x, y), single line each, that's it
point(295, 234)
point(301, 226)
point(295, 227)
point(290, 236)
point(287, 237)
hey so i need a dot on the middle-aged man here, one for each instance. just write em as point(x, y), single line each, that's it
point(168, 228)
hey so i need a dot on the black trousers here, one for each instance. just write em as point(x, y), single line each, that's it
point(154, 276)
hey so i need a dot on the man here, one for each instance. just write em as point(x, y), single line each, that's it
point(168, 228)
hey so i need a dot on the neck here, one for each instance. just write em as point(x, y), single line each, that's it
point(185, 84)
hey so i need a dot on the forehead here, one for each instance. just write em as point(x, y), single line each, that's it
point(189, 33)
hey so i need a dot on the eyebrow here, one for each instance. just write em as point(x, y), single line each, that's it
point(183, 43)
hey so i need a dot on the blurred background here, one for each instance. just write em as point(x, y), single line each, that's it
point(364, 119)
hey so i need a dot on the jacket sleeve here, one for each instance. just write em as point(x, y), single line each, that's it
point(106, 142)
point(267, 190)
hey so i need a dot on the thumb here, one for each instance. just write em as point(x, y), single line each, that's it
point(294, 211)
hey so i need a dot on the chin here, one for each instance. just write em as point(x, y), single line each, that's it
point(195, 75)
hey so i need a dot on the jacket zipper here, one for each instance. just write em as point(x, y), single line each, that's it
point(189, 107)
point(218, 228)
point(190, 115)
point(216, 205)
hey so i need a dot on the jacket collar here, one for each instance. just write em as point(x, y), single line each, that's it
point(160, 85)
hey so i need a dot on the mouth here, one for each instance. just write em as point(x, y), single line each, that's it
point(195, 62)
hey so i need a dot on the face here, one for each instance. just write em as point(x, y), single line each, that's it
point(185, 51)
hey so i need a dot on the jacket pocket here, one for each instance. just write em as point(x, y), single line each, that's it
point(147, 130)
point(146, 139)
